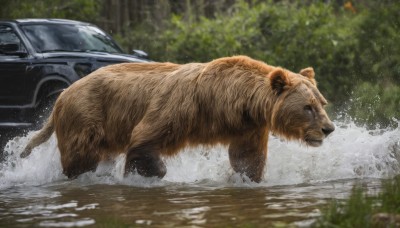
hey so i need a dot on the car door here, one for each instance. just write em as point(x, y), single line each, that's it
point(13, 69)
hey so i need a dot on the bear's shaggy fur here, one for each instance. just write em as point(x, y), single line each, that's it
point(149, 110)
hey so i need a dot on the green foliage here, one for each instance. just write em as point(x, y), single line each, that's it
point(374, 104)
point(359, 209)
point(227, 34)
point(355, 212)
point(390, 196)
point(377, 92)
point(85, 10)
point(379, 38)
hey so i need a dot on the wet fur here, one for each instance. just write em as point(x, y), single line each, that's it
point(149, 110)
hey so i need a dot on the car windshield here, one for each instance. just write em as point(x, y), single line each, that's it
point(75, 38)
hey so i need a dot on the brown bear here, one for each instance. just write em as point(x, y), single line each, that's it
point(149, 110)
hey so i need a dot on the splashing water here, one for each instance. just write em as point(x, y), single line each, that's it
point(350, 152)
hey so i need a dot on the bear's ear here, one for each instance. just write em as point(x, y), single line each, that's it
point(309, 73)
point(279, 80)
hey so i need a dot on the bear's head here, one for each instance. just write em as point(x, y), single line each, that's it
point(299, 109)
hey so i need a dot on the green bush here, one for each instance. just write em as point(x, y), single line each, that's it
point(232, 33)
point(376, 105)
point(86, 10)
point(361, 210)
point(355, 212)
point(379, 39)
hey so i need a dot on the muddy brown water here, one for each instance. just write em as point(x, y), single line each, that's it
point(72, 203)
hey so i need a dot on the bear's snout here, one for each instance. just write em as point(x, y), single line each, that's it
point(328, 128)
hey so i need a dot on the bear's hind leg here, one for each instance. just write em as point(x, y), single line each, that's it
point(248, 153)
point(80, 152)
point(77, 165)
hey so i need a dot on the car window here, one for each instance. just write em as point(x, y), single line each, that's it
point(62, 37)
point(9, 37)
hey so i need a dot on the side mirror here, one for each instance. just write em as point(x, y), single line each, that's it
point(140, 54)
point(12, 49)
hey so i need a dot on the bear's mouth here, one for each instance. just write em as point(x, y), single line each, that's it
point(314, 142)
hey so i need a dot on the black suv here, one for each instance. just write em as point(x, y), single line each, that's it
point(41, 57)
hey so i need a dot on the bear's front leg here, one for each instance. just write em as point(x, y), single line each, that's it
point(248, 154)
point(144, 151)
point(146, 160)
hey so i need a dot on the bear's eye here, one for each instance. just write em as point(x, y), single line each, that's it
point(309, 110)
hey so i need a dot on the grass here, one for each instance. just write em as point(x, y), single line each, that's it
point(361, 210)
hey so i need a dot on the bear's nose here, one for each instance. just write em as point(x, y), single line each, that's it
point(328, 129)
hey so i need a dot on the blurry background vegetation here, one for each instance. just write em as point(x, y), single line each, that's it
point(354, 46)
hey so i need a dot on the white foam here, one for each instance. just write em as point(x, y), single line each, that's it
point(350, 152)
point(42, 166)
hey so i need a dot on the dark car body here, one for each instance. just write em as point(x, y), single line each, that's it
point(41, 57)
